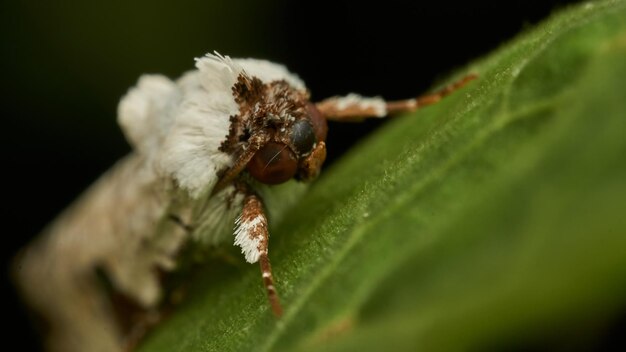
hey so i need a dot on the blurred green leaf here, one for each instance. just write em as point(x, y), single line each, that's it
point(488, 220)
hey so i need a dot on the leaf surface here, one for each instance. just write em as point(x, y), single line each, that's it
point(494, 217)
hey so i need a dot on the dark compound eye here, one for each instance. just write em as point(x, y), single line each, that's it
point(273, 164)
point(302, 136)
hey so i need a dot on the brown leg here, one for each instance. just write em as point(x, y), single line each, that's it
point(400, 106)
point(252, 235)
point(140, 329)
point(268, 281)
point(255, 143)
point(354, 107)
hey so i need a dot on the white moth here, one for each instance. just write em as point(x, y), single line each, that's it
point(202, 147)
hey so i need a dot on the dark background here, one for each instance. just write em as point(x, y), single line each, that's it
point(67, 64)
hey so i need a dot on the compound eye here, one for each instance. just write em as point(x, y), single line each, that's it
point(274, 163)
point(302, 136)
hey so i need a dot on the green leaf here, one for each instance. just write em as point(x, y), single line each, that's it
point(493, 218)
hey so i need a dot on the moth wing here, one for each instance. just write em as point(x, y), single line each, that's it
point(145, 113)
point(111, 229)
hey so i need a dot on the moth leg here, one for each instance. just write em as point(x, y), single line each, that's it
point(354, 108)
point(150, 319)
point(252, 235)
point(254, 144)
point(178, 221)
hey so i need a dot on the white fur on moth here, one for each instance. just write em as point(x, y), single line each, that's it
point(120, 225)
point(202, 147)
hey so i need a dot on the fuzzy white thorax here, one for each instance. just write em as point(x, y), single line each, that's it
point(245, 239)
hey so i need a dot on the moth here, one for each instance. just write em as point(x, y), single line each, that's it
point(203, 147)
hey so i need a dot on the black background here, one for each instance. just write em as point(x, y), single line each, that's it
point(67, 64)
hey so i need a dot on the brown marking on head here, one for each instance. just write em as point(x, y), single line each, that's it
point(247, 91)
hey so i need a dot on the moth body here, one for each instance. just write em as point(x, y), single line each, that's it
point(197, 144)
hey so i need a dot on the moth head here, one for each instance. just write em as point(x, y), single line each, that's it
point(295, 149)
point(277, 135)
